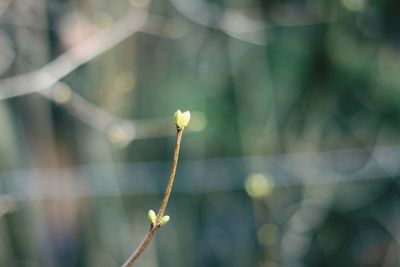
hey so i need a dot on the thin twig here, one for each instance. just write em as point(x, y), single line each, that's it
point(167, 194)
point(154, 227)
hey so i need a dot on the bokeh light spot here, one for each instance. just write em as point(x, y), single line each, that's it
point(258, 185)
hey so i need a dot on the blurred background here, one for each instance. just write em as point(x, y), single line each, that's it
point(291, 158)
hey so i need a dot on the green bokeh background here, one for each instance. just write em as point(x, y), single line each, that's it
point(302, 94)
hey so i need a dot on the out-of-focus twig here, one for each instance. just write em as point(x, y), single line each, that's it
point(230, 21)
point(120, 131)
point(64, 64)
point(210, 175)
point(236, 24)
point(46, 80)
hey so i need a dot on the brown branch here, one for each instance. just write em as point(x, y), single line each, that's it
point(142, 247)
point(167, 194)
point(154, 227)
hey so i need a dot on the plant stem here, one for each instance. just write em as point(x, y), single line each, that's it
point(171, 179)
point(153, 228)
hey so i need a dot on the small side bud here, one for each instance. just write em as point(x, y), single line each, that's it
point(181, 118)
point(164, 220)
point(152, 217)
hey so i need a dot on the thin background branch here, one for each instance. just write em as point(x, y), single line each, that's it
point(120, 131)
point(284, 170)
point(64, 64)
point(46, 80)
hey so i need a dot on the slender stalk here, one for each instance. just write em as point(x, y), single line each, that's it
point(154, 227)
point(171, 179)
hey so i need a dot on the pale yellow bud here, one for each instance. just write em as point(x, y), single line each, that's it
point(181, 119)
point(152, 217)
point(164, 220)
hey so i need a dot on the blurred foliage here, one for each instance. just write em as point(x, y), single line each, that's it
point(269, 79)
